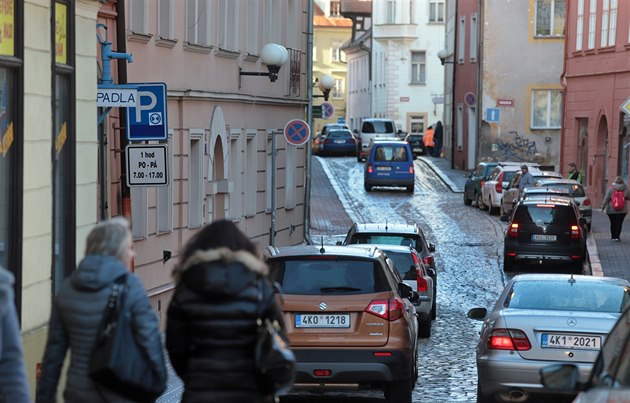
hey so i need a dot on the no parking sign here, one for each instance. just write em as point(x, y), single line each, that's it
point(297, 132)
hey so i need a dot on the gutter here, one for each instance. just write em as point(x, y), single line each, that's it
point(309, 119)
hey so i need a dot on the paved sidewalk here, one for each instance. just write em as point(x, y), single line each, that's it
point(606, 258)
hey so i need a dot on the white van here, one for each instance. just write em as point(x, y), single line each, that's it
point(370, 128)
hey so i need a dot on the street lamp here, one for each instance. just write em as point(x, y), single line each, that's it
point(274, 56)
point(325, 84)
point(443, 55)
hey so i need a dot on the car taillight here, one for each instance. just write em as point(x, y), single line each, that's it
point(422, 285)
point(575, 232)
point(508, 339)
point(390, 309)
point(411, 168)
point(481, 183)
point(499, 186)
point(328, 141)
point(586, 202)
point(351, 141)
point(513, 231)
point(428, 260)
point(370, 169)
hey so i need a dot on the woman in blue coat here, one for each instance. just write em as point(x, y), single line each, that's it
point(78, 309)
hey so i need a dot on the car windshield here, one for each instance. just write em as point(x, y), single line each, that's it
point(318, 277)
point(404, 264)
point(566, 296)
point(573, 189)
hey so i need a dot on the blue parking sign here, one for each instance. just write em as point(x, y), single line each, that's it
point(148, 119)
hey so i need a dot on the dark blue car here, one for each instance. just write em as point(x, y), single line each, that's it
point(338, 142)
point(389, 163)
point(472, 189)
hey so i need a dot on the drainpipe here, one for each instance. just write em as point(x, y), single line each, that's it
point(121, 44)
point(563, 84)
point(480, 6)
point(309, 119)
point(454, 78)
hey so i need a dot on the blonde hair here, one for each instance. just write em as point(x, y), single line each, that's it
point(107, 238)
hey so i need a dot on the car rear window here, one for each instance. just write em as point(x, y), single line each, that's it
point(404, 264)
point(329, 276)
point(339, 134)
point(391, 153)
point(545, 215)
point(414, 137)
point(389, 239)
point(377, 127)
point(573, 189)
point(563, 296)
point(508, 175)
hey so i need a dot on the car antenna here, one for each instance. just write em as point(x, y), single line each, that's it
point(571, 280)
point(322, 250)
point(386, 225)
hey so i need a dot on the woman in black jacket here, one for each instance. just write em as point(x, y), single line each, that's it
point(211, 325)
point(77, 312)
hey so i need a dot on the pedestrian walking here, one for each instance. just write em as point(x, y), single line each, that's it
point(616, 215)
point(429, 143)
point(527, 180)
point(221, 290)
point(79, 307)
point(438, 136)
point(13, 382)
point(575, 174)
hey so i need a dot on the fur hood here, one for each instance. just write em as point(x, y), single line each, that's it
point(225, 257)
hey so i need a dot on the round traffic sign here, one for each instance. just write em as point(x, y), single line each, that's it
point(328, 110)
point(297, 132)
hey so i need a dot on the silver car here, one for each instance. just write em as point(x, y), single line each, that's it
point(577, 192)
point(415, 274)
point(539, 320)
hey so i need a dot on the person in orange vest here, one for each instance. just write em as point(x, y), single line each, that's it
point(428, 141)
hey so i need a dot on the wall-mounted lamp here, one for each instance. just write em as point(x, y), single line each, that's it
point(274, 56)
point(325, 84)
point(443, 55)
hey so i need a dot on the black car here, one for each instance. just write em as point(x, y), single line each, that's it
point(472, 188)
point(397, 234)
point(337, 142)
point(416, 143)
point(546, 229)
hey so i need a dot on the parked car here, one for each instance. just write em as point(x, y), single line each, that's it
point(398, 234)
point(511, 193)
point(533, 192)
point(370, 128)
point(542, 319)
point(338, 142)
point(544, 230)
point(389, 163)
point(349, 317)
point(492, 189)
point(414, 274)
point(472, 188)
point(609, 379)
point(576, 190)
point(416, 143)
point(319, 138)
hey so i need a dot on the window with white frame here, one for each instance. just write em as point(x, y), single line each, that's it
point(473, 38)
point(461, 40)
point(391, 12)
point(289, 177)
point(337, 91)
point(139, 212)
point(609, 23)
point(546, 109)
point(195, 179)
point(418, 68)
point(592, 21)
point(198, 22)
point(138, 18)
point(336, 55)
point(550, 16)
point(251, 175)
point(227, 22)
point(165, 19)
point(335, 8)
point(579, 32)
point(164, 207)
point(436, 11)
point(236, 176)
point(253, 21)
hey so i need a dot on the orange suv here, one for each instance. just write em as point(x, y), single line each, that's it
point(350, 319)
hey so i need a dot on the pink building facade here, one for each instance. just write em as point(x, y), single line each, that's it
point(596, 78)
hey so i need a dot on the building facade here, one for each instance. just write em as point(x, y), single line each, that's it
point(597, 85)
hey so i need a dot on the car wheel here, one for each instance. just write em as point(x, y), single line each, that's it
point(410, 189)
point(481, 398)
point(424, 329)
point(508, 264)
point(588, 227)
point(467, 201)
point(399, 392)
point(368, 188)
point(492, 210)
point(480, 202)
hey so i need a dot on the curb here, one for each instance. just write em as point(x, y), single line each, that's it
point(443, 177)
point(593, 257)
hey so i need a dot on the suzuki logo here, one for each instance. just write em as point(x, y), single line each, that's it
point(323, 306)
point(571, 322)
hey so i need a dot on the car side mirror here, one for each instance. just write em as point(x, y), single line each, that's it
point(431, 247)
point(477, 313)
point(406, 291)
point(505, 218)
point(582, 221)
point(561, 377)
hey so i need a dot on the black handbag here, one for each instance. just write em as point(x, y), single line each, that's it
point(275, 362)
point(116, 361)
